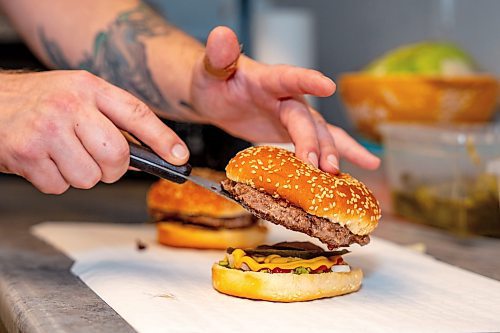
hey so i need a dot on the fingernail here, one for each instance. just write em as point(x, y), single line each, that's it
point(326, 78)
point(179, 151)
point(313, 158)
point(332, 160)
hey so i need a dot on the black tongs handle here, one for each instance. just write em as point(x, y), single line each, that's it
point(144, 159)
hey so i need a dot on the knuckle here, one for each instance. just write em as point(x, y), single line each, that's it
point(55, 189)
point(46, 128)
point(316, 115)
point(60, 189)
point(119, 154)
point(91, 180)
point(87, 177)
point(27, 149)
point(60, 103)
point(140, 111)
point(321, 121)
point(83, 77)
point(115, 175)
point(86, 183)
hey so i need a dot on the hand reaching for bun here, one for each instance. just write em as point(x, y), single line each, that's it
point(264, 103)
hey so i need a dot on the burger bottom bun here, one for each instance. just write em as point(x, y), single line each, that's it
point(284, 287)
point(191, 236)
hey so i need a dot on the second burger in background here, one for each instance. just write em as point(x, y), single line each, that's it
point(190, 216)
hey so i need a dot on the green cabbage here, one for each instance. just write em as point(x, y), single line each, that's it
point(429, 58)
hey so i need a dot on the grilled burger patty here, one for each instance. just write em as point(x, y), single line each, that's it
point(281, 212)
point(242, 221)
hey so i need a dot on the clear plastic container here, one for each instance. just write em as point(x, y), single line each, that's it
point(445, 176)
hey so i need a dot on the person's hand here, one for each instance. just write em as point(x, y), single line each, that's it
point(263, 103)
point(61, 129)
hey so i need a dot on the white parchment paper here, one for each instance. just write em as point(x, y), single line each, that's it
point(169, 290)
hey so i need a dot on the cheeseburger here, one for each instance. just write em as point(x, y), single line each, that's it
point(190, 216)
point(276, 186)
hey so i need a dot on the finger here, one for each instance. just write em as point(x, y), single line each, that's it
point(221, 53)
point(45, 176)
point(74, 162)
point(132, 115)
point(329, 156)
point(106, 144)
point(352, 150)
point(286, 81)
point(298, 121)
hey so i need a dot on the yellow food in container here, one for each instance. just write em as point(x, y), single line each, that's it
point(371, 100)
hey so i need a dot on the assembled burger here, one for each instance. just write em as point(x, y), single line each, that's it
point(276, 186)
point(190, 216)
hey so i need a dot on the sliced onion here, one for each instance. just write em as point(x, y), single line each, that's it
point(244, 267)
point(230, 260)
point(341, 268)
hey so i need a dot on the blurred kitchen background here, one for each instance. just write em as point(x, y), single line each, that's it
point(338, 37)
point(333, 36)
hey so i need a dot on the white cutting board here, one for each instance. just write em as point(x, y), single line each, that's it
point(169, 290)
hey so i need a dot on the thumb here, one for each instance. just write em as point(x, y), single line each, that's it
point(221, 53)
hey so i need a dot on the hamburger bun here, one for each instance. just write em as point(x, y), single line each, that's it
point(340, 199)
point(191, 199)
point(191, 216)
point(286, 287)
point(191, 236)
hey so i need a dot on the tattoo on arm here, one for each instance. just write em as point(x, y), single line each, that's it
point(119, 54)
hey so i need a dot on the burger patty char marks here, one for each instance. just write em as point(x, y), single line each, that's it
point(283, 213)
point(242, 221)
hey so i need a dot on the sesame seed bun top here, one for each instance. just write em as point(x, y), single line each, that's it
point(191, 199)
point(339, 198)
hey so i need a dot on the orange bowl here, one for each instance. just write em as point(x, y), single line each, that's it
point(371, 100)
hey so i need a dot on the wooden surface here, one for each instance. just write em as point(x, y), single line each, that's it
point(39, 294)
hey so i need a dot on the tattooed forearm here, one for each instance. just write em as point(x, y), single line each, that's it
point(119, 54)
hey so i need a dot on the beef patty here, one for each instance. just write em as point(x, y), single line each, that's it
point(283, 213)
point(242, 221)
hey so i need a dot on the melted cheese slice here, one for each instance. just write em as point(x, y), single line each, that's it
point(273, 261)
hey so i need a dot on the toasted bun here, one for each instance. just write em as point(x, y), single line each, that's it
point(284, 287)
point(190, 236)
point(191, 199)
point(339, 198)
